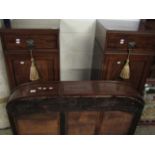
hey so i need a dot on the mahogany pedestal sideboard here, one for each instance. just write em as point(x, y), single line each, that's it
point(74, 108)
point(111, 51)
point(18, 58)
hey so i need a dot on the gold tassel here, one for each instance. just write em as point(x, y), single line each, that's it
point(125, 73)
point(34, 75)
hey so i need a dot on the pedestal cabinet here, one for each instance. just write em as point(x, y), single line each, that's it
point(111, 51)
point(17, 54)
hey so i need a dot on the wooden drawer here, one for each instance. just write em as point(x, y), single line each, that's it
point(119, 40)
point(18, 42)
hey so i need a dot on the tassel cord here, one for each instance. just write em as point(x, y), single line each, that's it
point(125, 72)
point(31, 55)
point(129, 52)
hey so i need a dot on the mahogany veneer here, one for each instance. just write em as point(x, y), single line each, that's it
point(111, 50)
point(17, 54)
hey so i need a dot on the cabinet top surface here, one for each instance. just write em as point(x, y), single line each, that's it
point(75, 89)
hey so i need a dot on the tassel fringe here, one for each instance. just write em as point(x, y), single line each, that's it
point(33, 71)
point(125, 73)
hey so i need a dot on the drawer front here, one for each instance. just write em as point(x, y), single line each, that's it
point(121, 40)
point(18, 42)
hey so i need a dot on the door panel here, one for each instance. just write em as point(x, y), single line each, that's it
point(95, 122)
point(47, 67)
point(115, 122)
point(81, 123)
point(139, 68)
point(39, 123)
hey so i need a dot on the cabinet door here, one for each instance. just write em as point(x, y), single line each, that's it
point(19, 68)
point(139, 68)
point(43, 123)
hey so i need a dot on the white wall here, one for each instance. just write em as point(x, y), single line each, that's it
point(4, 90)
point(76, 46)
point(120, 24)
point(0, 23)
point(35, 23)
